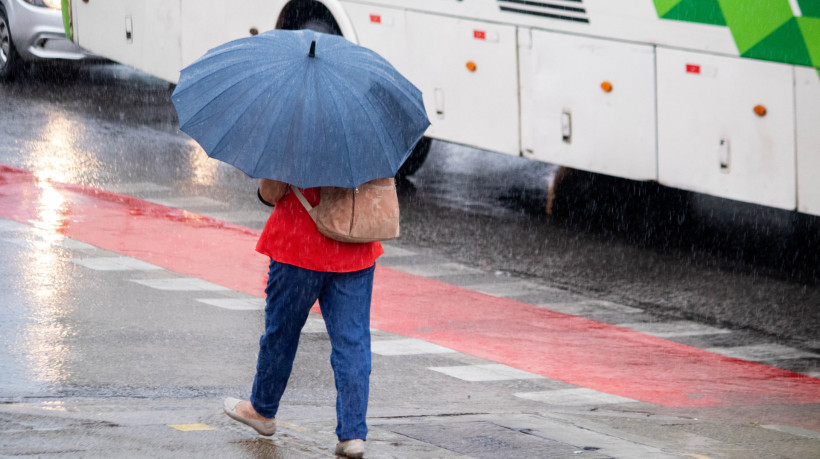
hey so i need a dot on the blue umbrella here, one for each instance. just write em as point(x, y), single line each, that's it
point(301, 107)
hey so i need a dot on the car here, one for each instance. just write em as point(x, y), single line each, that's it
point(33, 31)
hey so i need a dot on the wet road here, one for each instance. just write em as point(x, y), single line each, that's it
point(676, 254)
point(101, 353)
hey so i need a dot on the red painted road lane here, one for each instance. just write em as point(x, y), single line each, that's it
point(559, 346)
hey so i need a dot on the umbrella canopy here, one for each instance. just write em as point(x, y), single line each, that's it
point(301, 107)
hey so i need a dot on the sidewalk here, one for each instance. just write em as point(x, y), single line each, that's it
point(466, 362)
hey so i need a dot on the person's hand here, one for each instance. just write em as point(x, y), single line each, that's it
point(271, 191)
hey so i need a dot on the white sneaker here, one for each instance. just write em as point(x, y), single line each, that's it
point(350, 448)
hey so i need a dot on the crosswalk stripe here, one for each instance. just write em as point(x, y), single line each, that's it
point(507, 289)
point(11, 225)
point(240, 216)
point(409, 346)
point(488, 372)
point(58, 241)
point(588, 307)
point(236, 304)
point(137, 187)
point(180, 284)
point(115, 264)
point(763, 352)
point(674, 329)
point(574, 397)
point(439, 269)
point(393, 251)
point(187, 201)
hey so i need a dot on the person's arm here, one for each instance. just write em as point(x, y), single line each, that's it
point(271, 191)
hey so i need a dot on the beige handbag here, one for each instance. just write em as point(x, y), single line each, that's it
point(365, 214)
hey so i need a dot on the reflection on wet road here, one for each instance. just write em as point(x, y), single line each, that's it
point(684, 255)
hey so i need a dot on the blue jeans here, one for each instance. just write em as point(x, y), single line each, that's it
point(345, 302)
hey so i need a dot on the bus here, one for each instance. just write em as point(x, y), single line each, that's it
point(720, 97)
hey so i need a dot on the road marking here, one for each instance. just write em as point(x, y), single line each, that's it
point(191, 427)
point(574, 397)
point(58, 241)
point(438, 269)
point(235, 304)
point(583, 308)
point(393, 251)
point(508, 289)
point(188, 201)
point(407, 346)
point(240, 216)
point(11, 225)
point(115, 264)
point(137, 187)
point(763, 352)
point(489, 372)
point(290, 426)
point(314, 326)
point(794, 431)
point(604, 357)
point(182, 284)
point(674, 329)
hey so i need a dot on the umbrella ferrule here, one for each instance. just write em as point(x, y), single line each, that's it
point(312, 52)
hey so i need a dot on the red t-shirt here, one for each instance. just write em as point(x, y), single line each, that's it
point(291, 237)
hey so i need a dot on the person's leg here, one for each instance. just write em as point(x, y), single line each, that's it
point(291, 292)
point(345, 303)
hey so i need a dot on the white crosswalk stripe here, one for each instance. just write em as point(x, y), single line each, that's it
point(393, 251)
point(582, 308)
point(674, 329)
point(58, 241)
point(409, 346)
point(180, 284)
point(137, 187)
point(439, 269)
point(763, 352)
point(488, 372)
point(188, 201)
point(11, 225)
point(506, 289)
point(115, 264)
point(236, 304)
point(574, 397)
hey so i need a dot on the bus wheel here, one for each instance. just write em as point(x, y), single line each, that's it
point(416, 158)
point(9, 59)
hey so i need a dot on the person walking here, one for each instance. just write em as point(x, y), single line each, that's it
point(307, 266)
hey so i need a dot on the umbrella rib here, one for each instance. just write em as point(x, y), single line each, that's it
point(373, 121)
point(258, 120)
point(248, 76)
point(330, 83)
point(270, 136)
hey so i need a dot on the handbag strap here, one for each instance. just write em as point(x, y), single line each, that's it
point(301, 198)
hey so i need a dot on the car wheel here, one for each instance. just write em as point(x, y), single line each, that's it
point(416, 158)
point(9, 59)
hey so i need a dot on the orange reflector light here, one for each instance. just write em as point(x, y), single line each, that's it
point(606, 86)
point(471, 66)
point(760, 110)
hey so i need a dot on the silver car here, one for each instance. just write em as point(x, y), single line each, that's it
point(31, 31)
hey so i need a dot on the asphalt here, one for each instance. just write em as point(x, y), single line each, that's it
point(96, 361)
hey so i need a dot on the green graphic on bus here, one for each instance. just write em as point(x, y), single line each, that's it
point(770, 30)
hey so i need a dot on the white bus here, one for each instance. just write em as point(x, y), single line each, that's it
point(720, 97)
